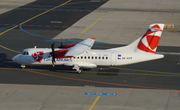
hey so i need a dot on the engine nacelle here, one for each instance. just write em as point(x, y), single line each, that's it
point(68, 45)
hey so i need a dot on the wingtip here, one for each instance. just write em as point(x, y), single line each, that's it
point(93, 38)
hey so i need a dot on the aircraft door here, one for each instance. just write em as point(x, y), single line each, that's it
point(113, 61)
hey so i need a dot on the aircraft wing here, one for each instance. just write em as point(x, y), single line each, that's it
point(81, 47)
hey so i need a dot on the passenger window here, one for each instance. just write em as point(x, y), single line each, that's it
point(92, 57)
point(88, 57)
point(102, 57)
point(106, 58)
point(95, 57)
point(99, 57)
point(81, 57)
point(85, 57)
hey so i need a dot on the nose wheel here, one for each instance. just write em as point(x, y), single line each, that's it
point(23, 66)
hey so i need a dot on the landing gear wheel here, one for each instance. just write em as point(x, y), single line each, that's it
point(23, 66)
point(79, 71)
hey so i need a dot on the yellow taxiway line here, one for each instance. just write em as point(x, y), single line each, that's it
point(28, 21)
point(97, 98)
point(9, 49)
point(8, 2)
point(35, 17)
point(97, 21)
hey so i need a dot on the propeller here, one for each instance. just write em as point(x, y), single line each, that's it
point(52, 54)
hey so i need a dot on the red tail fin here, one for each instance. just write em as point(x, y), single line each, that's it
point(149, 41)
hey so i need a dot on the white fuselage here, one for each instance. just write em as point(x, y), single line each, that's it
point(89, 59)
point(82, 56)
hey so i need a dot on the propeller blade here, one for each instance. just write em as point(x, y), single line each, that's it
point(53, 54)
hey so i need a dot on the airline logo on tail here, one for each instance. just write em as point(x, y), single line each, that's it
point(150, 39)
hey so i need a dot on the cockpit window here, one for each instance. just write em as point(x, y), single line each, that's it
point(25, 53)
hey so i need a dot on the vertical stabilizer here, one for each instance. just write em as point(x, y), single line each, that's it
point(149, 41)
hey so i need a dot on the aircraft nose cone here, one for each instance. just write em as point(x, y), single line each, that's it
point(15, 58)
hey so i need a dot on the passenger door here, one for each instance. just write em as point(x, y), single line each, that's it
point(113, 59)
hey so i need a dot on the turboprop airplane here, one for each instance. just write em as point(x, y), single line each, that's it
point(81, 56)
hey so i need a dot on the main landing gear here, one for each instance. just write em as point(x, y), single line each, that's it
point(78, 69)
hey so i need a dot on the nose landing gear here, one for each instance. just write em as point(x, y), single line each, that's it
point(23, 66)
